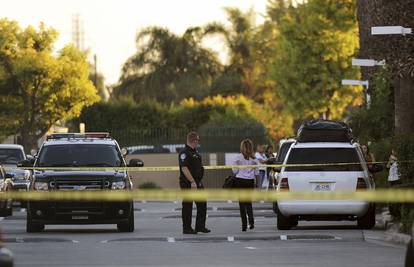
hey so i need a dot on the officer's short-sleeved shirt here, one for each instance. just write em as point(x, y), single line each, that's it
point(190, 158)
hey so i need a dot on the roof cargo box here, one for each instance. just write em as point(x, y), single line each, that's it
point(324, 131)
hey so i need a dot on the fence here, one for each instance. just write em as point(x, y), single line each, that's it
point(217, 139)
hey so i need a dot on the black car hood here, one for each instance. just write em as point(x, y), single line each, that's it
point(78, 174)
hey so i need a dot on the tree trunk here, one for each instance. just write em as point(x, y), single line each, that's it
point(28, 141)
point(404, 105)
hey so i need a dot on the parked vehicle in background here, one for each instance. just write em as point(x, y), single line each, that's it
point(80, 150)
point(6, 256)
point(6, 205)
point(10, 157)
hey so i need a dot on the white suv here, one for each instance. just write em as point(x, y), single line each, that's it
point(350, 177)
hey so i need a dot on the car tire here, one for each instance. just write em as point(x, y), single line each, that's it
point(9, 211)
point(32, 227)
point(283, 222)
point(409, 256)
point(129, 226)
point(368, 220)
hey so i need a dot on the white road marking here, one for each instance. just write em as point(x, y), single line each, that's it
point(251, 247)
point(283, 237)
point(76, 241)
point(230, 238)
point(105, 241)
point(170, 239)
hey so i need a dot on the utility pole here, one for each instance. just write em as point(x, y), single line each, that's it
point(95, 80)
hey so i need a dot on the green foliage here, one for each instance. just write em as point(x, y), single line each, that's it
point(190, 114)
point(404, 145)
point(249, 50)
point(377, 122)
point(38, 88)
point(313, 54)
point(123, 113)
point(167, 67)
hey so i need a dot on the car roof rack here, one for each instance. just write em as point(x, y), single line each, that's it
point(89, 135)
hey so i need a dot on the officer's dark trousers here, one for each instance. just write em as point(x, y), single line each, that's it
point(187, 210)
point(246, 209)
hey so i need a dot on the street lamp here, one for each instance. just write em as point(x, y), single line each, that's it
point(382, 30)
point(367, 62)
point(363, 83)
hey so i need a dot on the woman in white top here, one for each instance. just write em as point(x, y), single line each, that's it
point(245, 179)
point(262, 159)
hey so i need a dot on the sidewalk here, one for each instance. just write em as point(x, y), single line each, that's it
point(387, 230)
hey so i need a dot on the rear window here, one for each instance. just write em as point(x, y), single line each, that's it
point(324, 156)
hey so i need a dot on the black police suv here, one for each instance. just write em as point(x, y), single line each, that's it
point(80, 150)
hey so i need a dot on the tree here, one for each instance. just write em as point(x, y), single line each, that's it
point(168, 67)
point(398, 52)
point(314, 48)
point(38, 88)
point(246, 42)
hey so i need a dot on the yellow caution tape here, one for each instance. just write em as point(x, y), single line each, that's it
point(176, 168)
point(382, 195)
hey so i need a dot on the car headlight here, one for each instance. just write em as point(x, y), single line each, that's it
point(118, 185)
point(41, 186)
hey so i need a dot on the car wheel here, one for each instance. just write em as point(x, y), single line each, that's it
point(129, 226)
point(409, 256)
point(368, 220)
point(283, 222)
point(9, 211)
point(32, 227)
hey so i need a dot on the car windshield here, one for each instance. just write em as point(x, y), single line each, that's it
point(10, 155)
point(90, 155)
point(324, 156)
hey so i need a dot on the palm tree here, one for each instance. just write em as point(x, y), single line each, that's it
point(168, 67)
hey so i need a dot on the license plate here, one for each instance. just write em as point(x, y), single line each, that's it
point(322, 187)
point(80, 217)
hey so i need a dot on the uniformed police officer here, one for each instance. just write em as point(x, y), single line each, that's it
point(191, 174)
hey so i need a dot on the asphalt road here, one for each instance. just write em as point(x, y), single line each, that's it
point(158, 241)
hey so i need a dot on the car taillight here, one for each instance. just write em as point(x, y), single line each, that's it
point(361, 184)
point(284, 184)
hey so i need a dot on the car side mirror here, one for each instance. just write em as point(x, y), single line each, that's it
point(29, 157)
point(8, 175)
point(26, 163)
point(136, 163)
point(376, 167)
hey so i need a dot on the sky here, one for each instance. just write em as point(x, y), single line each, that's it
point(110, 26)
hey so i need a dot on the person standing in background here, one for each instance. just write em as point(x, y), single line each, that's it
point(262, 159)
point(392, 165)
point(245, 180)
